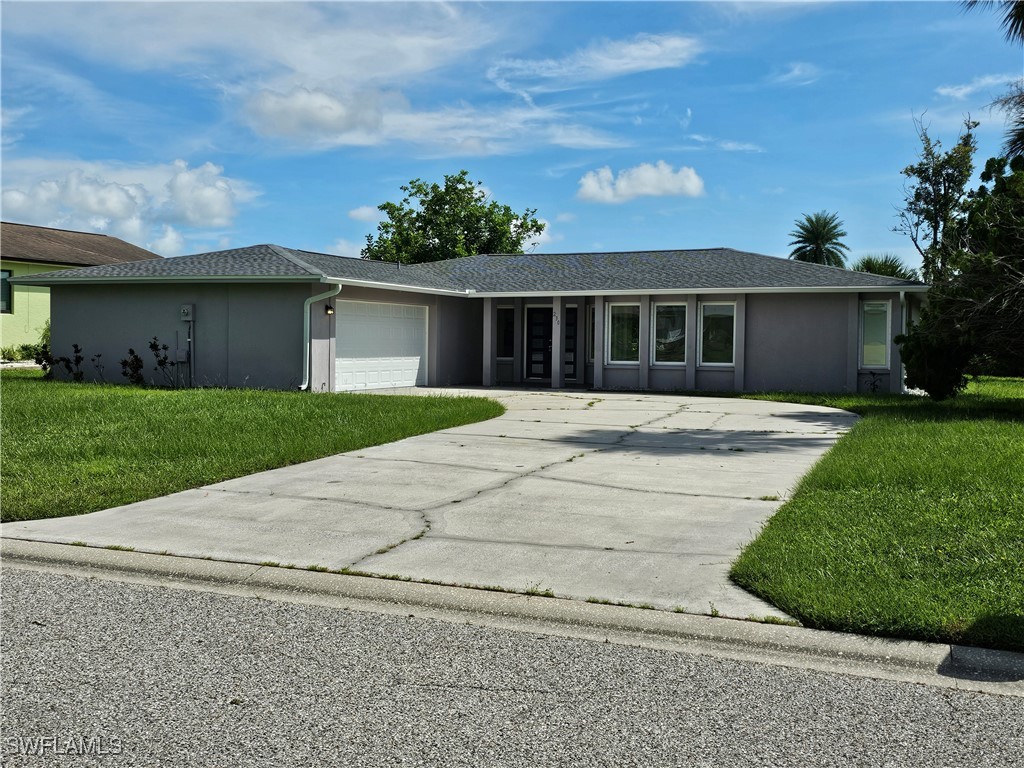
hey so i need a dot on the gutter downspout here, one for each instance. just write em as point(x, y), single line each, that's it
point(305, 331)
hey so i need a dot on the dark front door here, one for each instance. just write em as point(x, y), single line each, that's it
point(538, 342)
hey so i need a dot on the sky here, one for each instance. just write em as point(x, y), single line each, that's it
point(190, 127)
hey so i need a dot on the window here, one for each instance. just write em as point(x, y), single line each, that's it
point(591, 330)
point(5, 292)
point(717, 331)
point(874, 334)
point(506, 332)
point(668, 343)
point(623, 333)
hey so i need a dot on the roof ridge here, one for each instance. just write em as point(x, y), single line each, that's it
point(287, 253)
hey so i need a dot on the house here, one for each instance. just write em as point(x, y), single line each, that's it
point(26, 250)
point(716, 319)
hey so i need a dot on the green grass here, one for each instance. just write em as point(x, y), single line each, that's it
point(68, 448)
point(911, 526)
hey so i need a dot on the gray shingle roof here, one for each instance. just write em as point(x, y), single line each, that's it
point(639, 271)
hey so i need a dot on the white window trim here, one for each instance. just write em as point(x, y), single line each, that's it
point(700, 334)
point(654, 332)
point(887, 303)
point(608, 335)
point(497, 309)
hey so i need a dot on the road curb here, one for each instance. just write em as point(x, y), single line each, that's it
point(951, 666)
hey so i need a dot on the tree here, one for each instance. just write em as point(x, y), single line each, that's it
point(818, 239)
point(433, 223)
point(887, 264)
point(1011, 103)
point(934, 198)
point(974, 319)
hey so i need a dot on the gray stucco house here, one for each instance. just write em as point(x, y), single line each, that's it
point(716, 319)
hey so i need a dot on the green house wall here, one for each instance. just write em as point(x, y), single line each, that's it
point(30, 305)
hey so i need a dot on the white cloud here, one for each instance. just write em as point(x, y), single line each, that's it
point(986, 82)
point(366, 213)
point(685, 121)
point(305, 112)
point(138, 203)
point(563, 218)
point(798, 73)
point(544, 238)
point(644, 180)
point(602, 60)
point(170, 242)
point(348, 248)
point(727, 145)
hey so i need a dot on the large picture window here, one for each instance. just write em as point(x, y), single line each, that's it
point(5, 291)
point(623, 333)
point(506, 332)
point(717, 334)
point(874, 334)
point(668, 345)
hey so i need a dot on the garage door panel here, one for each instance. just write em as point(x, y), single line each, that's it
point(380, 345)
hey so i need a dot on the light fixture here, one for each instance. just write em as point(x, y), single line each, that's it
point(329, 309)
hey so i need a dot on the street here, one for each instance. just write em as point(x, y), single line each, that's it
point(134, 674)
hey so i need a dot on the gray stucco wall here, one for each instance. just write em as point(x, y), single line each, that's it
point(246, 335)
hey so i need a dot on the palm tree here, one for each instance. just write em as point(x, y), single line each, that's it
point(817, 239)
point(886, 264)
point(1011, 103)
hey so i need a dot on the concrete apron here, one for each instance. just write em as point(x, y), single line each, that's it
point(620, 497)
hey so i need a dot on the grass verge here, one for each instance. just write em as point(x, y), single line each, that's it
point(911, 526)
point(68, 448)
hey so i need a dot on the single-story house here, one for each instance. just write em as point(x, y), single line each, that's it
point(27, 250)
point(715, 319)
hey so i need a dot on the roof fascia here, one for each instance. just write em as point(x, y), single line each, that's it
point(396, 287)
point(686, 291)
point(43, 279)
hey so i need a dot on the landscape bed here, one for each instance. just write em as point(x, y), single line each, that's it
point(911, 526)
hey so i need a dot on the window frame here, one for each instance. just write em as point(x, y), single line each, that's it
point(608, 333)
point(887, 303)
point(701, 362)
point(655, 363)
point(7, 274)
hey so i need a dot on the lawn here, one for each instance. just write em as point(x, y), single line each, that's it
point(68, 448)
point(911, 526)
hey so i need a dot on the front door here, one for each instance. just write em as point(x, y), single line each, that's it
point(538, 343)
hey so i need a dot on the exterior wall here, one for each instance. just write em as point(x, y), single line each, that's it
point(245, 335)
point(30, 305)
point(799, 342)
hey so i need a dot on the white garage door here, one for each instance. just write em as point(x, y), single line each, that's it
point(380, 345)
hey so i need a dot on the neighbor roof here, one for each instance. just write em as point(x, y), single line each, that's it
point(709, 270)
point(24, 242)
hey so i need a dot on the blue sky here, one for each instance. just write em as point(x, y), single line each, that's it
point(186, 127)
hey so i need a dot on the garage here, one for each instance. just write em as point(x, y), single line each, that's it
point(380, 345)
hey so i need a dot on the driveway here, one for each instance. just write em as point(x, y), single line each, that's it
point(629, 498)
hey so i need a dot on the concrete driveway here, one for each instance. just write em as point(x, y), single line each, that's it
point(629, 498)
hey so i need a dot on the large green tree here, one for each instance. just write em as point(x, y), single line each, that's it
point(886, 264)
point(435, 222)
point(974, 318)
point(818, 239)
point(934, 198)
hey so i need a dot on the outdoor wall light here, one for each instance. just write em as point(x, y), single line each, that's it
point(329, 309)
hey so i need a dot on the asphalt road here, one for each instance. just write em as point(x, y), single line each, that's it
point(158, 676)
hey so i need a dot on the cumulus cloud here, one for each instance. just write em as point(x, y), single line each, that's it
point(984, 83)
point(366, 213)
point(644, 180)
point(798, 73)
point(144, 204)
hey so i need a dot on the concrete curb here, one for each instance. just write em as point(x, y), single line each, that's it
point(950, 666)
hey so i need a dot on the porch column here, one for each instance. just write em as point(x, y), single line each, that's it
point(691, 342)
point(740, 344)
point(517, 342)
point(599, 342)
point(852, 342)
point(644, 347)
point(558, 342)
point(490, 317)
point(898, 313)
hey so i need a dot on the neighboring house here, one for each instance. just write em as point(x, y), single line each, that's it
point(715, 319)
point(26, 250)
